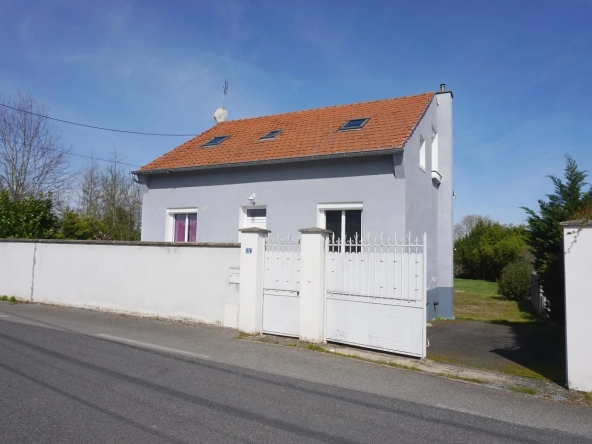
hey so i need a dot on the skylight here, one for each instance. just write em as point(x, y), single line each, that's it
point(354, 124)
point(216, 141)
point(271, 135)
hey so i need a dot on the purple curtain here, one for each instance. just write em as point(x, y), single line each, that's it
point(192, 234)
point(179, 228)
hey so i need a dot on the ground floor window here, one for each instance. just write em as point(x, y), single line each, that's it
point(182, 226)
point(345, 224)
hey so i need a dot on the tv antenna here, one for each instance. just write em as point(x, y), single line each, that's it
point(224, 92)
point(221, 114)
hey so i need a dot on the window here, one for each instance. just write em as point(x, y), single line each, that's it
point(272, 135)
point(354, 124)
point(254, 217)
point(434, 150)
point(422, 156)
point(216, 141)
point(184, 227)
point(345, 223)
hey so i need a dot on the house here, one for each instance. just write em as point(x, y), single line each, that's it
point(376, 167)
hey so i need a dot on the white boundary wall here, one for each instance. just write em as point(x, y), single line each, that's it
point(578, 306)
point(183, 282)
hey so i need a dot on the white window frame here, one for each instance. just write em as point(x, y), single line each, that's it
point(343, 207)
point(422, 153)
point(435, 149)
point(170, 222)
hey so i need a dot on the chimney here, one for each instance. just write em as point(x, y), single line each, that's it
point(442, 86)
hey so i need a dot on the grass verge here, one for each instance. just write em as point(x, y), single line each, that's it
point(462, 378)
point(12, 299)
point(525, 390)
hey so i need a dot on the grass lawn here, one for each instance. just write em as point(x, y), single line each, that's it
point(479, 301)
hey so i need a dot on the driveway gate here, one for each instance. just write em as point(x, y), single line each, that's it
point(281, 287)
point(376, 293)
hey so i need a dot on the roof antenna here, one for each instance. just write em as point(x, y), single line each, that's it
point(221, 114)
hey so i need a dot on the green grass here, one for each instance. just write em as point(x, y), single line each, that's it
point(479, 301)
point(317, 348)
point(525, 390)
point(462, 378)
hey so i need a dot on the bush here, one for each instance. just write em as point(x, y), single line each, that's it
point(514, 282)
point(487, 249)
point(29, 218)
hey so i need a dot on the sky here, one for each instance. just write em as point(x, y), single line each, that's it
point(519, 71)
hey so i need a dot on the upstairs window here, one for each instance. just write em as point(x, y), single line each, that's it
point(354, 124)
point(422, 153)
point(272, 135)
point(434, 150)
point(216, 141)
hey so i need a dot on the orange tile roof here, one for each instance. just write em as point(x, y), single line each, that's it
point(306, 134)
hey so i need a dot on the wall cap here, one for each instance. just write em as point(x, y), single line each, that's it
point(254, 230)
point(577, 223)
point(314, 230)
point(125, 243)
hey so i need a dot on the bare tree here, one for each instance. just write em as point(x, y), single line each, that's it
point(90, 192)
point(466, 225)
point(32, 157)
point(120, 199)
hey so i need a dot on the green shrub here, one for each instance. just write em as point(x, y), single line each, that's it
point(12, 299)
point(4, 298)
point(515, 282)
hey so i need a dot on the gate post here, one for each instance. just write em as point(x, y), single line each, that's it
point(312, 284)
point(252, 256)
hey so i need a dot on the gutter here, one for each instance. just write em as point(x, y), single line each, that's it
point(382, 151)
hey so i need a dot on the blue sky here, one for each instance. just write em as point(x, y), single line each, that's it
point(520, 72)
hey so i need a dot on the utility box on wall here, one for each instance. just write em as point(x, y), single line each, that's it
point(234, 276)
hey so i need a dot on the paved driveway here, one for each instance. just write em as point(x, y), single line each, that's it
point(522, 349)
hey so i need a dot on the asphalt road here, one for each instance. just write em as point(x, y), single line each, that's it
point(75, 376)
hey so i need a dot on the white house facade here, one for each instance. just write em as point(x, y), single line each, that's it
point(389, 172)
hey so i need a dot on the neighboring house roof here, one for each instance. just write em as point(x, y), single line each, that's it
point(305, 135)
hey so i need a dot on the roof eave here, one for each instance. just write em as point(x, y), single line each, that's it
point(375, 152)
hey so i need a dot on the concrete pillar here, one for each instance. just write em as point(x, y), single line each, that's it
point(312, 284)
point(251, 279)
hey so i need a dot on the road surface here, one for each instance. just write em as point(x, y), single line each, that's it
point(77, 376)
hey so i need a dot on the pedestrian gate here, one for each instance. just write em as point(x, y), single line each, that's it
point(281, 286)
point(376, 293)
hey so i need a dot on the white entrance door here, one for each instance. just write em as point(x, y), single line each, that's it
point(255, 217)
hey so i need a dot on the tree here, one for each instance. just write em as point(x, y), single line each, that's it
point(545, 234)
point(28, 218)
point(488, 248)
point(90, 190)
point(33, 160)
point(467, 224)
point(121, 201)
point(109, 205)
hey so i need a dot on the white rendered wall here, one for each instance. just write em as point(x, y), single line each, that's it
point(578, 306)
point(185, 282)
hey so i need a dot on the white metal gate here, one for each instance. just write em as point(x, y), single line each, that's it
point(376, 293)
point(281, 287)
